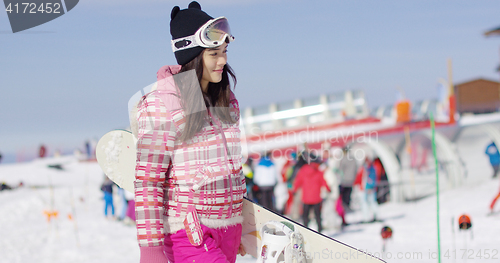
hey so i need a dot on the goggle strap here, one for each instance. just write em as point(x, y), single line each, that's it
point(184, 43)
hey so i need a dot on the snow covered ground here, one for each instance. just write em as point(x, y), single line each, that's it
point(81, 233)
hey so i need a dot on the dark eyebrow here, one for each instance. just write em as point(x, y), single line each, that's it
point(217, 48)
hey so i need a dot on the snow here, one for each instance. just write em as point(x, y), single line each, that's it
point(469, 120)
point(27, 236)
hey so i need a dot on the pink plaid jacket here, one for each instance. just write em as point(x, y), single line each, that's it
point(202, 174)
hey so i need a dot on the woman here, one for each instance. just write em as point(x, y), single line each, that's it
point(188, 189)
point(311, 179)
point(366, 182)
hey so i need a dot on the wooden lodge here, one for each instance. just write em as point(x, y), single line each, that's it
point(478, 96)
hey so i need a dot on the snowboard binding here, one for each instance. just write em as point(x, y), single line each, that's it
point(281, 244)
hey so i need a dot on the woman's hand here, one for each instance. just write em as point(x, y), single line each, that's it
point(241, 250)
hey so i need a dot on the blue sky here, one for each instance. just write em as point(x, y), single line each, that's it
point(70, 79)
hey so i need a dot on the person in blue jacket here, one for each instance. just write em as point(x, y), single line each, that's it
point(492, 152)
point(107, 188)
point(266, 178)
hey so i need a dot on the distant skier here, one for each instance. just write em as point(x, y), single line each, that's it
point(281, 195)
point(130, 214)
point(304, 156)
point(5, 186)
point(107, 188)
point(366, 181)
point(332, 200)
point(266, 178)
point(247, 169)
point(383, 189)
point(311, 180)
point(88, 149)
point(286, 174)
point(42, 152)
point(492, 152)
point(348, 169)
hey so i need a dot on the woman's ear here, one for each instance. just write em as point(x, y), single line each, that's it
point(174, 12)
point(195, 5)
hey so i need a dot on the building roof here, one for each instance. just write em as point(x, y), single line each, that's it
point(476, 80)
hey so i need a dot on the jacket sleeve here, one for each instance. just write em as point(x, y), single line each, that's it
point(359, 177)
point(487, 148)
point(156, 136)
point(324, 183)
point(298, 179)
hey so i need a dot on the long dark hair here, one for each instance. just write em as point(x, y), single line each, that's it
point(218, 95)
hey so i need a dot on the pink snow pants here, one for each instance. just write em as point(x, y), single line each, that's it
point(219, 246)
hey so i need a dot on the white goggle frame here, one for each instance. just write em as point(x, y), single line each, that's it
point(199, 38)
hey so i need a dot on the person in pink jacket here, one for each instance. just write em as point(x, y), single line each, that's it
point(311, 180)
point(188, 188)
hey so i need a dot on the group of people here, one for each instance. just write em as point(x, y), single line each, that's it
point(317, 183)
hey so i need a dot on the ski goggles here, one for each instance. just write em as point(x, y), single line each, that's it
point(212, 34)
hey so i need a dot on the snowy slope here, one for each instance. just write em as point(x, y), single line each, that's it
point(27, 236)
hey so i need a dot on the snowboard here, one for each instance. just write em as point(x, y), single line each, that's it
point(116, 153)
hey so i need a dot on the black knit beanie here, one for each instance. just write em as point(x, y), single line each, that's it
point(185, 23)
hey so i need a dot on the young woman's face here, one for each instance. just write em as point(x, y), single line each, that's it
point(214, 60)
